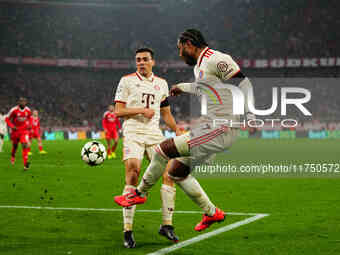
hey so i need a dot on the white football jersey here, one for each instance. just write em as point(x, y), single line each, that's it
point(137, 91)
point(214, 71)
point(3, 125)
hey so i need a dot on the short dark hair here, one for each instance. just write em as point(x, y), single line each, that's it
point(145, 49)
point(194, 36)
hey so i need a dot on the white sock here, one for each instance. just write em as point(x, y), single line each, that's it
point(1, 144)
point(152, 173)
point(194, 190)
point(168, 195)
point(128, 212)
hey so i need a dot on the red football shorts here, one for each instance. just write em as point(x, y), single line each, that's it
point(35, 134)
point(111, 134)
point(20, 136)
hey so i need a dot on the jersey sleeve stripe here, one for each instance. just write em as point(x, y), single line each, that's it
point(200, 61)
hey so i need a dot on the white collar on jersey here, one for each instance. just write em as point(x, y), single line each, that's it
point(143, 78)
point(18, 107)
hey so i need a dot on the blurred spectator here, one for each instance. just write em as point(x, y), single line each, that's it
point(245, 28)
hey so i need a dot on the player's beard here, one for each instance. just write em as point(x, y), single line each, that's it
point(189, 60)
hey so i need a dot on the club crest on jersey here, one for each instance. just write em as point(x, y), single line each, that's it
point(222, 66)
point(200, 75)
point(224, 69)
point(156, 87)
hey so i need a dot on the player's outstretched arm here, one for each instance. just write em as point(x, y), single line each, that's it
point(180, 88)
point(169, 119)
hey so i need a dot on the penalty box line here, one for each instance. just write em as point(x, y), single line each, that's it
point(113, 210)
point(208, 235)
point(254, 217)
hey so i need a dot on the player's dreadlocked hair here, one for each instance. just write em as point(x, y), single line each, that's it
point(194, 36)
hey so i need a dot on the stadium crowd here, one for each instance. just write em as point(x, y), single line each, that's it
point(78, 97)
point(68, 97)
point(270, 28)
point(245, 28)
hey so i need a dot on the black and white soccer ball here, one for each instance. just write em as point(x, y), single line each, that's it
point(93, 153)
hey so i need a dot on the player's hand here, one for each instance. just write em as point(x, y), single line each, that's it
point(175, 91)
point(148, 113)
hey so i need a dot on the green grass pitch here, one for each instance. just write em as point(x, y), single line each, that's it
point(304, 210)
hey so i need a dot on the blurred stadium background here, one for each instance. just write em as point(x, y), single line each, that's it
point(67, 57)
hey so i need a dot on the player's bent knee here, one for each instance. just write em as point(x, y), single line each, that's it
point(168, 148)
point(178, 171)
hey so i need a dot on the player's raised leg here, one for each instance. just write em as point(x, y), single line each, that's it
point(171, 148)
point(180, 173)
point(163, 153)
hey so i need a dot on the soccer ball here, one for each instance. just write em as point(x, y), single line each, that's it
point(93, 153)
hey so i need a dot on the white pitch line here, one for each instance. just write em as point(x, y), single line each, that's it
point(208, 235)
point(108, 210)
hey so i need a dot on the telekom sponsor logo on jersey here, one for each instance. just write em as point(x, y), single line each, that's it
point(239, 105)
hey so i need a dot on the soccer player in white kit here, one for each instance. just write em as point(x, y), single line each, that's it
point(3, 129)
point(141, 98)
point(216, 74)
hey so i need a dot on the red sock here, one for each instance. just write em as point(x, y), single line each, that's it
point(25, 155)
point(108, 151)
point(14, 149)
point(40, 148)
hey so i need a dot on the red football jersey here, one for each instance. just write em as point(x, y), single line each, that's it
point(110, 121)
point(35, 124)
point(19, 118)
